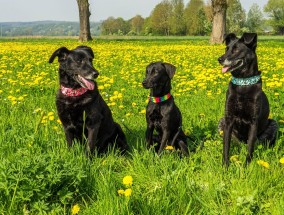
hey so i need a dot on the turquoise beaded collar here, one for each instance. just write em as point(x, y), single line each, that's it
point(245, 81)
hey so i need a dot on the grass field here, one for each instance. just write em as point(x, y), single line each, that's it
point(39, 175)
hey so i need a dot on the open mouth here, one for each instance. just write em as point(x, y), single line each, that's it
point(236, 65)
point(85, 83)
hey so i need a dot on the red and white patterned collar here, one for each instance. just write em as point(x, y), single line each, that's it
point(73, 92)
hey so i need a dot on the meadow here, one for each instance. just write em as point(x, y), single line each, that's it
point(40, 175)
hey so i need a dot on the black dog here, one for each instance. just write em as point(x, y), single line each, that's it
point(247, 107)
point(162, 114)
point(80, 107)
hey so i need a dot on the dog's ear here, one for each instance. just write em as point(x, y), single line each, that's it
point(250, 40)
point(228, 38)
point(170, 69)
point(61, 53)
point(87, 49)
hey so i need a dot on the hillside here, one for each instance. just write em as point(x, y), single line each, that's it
point(44, 28)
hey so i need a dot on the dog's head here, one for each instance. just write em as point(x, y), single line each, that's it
point(76, 67)
point(158, 75)
point(240, 57)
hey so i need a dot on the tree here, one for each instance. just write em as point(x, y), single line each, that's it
point(219, 8)
point(84, 15)
point(254, 18)
point(160, 18)
point(275, 9)
point(236, 16)
point(177, 19)
point(137, 23)
point(192, 13)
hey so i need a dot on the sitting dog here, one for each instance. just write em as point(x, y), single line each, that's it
point(247, 107)
point(80, 107)
point(162, 114)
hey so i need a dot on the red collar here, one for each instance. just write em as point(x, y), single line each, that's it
point(72, 92)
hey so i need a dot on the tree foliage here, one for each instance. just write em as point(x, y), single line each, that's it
point(161, 16)
point(275, 10)
point(194, 16)
point(236, 17)
point(254, 18)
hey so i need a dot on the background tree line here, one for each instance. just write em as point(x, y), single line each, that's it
point(173, 17)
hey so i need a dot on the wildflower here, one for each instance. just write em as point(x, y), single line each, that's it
point(276, 94)
point(143, 111)
point(281, 160)
point(75, 209)
point(169, 148)
point(221, 132)
point(120, 192)
point(127, 180)
point(263, 163)
point(128, 192)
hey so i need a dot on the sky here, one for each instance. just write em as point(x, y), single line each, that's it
point(67, 10)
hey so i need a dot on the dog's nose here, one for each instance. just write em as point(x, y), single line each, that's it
point(96, 73)
point(220, 59)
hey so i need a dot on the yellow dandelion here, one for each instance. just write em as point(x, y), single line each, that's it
point(75, 209)
point(221, 132)
point(59, 122)
point(281, 160)
point(128, 192)
point(133, 104)
point(120, 192)
point(143, 111)
point(50, 114)
point(51, 118)
point(263, 163)
point(276, 94)
point(169, 148)
point(127, 180)
point(100, 87)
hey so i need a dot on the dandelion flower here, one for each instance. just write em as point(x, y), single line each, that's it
point(281, 160)
point(169, 148)
point(120, 192)
point(75, 209)
point(128, 192)
point(127, 180)
point(263, 163)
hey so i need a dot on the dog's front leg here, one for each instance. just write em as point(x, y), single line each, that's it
point(149, 135)
point(69, 134)
point(227, 140)
point(164, 141)
point(93, 136)
point(252, 137)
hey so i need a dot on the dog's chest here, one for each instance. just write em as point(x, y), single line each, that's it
point(155, 117)
point(241, 108)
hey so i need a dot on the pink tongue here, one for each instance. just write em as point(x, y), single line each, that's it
point(225, 69)
point(89, 84)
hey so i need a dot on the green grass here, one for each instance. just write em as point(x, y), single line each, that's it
point(40, 175)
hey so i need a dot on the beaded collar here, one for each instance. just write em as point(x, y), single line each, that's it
point(245, 81)
point(72, 92)
point(160, 99)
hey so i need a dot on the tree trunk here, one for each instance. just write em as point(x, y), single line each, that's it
point(219, 8)
point(84, 15)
